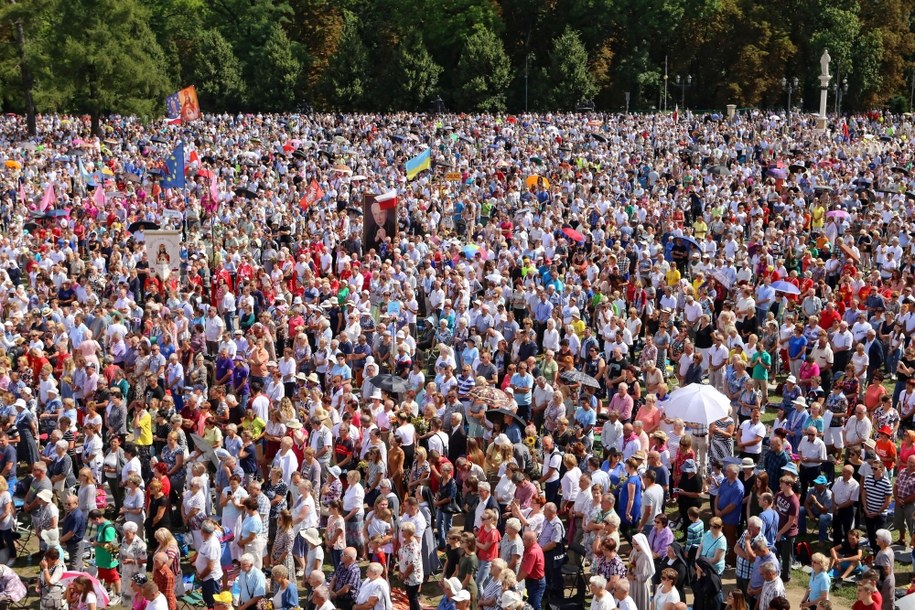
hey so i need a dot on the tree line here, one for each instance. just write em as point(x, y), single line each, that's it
point(123, 56)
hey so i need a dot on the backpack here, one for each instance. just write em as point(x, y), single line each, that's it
point(803, 553)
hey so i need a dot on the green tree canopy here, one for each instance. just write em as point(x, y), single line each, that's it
point(483, 73)
point(568, 76)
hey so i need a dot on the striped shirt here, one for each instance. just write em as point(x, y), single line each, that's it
point(877, 491)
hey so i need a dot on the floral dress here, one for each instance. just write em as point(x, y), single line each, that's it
point(597, 515)
point(609, 566)
point(410, 554)
point(282, 545)
point(136, 553)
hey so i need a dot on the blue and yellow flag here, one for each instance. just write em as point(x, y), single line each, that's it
point(173, 106)
point(418, 163)
point(174, 179)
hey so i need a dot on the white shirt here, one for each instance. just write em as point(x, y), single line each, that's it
point(210, 552)
point(158, 603)
point(843, 491)
point(815, 449)
point(377, 588)
point(857, 429)
point(749, 431)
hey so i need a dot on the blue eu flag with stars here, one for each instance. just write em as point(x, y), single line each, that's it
point(174, 179)
point(172, 106)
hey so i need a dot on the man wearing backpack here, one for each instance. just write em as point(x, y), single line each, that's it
point(106, 538)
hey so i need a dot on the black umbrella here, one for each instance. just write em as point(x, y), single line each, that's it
point(910, 195)
point(822, 189)
point(719, 170)
point(576, 376)
point(901, 170)
point(158, 140)
point(246, 191)
point(599, 137)
point(498, 414)
point(30, 226)
point(355, 211)
point(389, 383)
point(797, 168)
point(142, 225)
point(298, 153)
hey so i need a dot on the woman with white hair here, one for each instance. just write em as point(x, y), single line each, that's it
point(132, 557)
point(134, 509)
point(511, 547)
point(641, 572)
point(492, 587)
point(884, 562)
point(193, 509)
point(410, 563)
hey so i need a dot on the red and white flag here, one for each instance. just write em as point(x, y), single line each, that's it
point(387, 200)
point(676, 113)
point(313, 194)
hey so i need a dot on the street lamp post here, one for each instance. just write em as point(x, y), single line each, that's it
point(839, 90)
point(683, 83)
point(790, 86)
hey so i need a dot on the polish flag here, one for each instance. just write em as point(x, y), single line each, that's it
point(387, 200)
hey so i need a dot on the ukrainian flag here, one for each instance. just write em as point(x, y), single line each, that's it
point(418, 163)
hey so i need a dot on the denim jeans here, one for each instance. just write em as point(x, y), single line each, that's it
point(483, 573)
point(824, 522)
point(442, 525)
point(535, 589)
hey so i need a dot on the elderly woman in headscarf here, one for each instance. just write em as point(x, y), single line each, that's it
point(641, 571)
point(132, 557)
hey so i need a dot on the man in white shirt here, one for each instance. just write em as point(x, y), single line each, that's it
point(845, 494)
point(717, 359)
point(154, 597)
point(374, 594)
point(812, 450)
point(858, 428)
point(621, 595)
point(842, 340)
point(752, 432)
point(612, 432)
point(208, 562)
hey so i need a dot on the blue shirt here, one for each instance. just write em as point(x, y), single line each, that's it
point(819, 584)
point(251, 584)
point(770, 525)
point(797, 346)
point(730, 493)
point(75, 522)
point(523, 397)
point(711, 545)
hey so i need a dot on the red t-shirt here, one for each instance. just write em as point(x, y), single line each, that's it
point(485, 536)
point(532, 562)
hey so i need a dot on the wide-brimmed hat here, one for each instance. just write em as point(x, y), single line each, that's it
point(311, 536)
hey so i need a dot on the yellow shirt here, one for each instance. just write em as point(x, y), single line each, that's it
point(819, 214)
point(579, 327)
point(700, 229)
point(673, 276)
point(143, 433)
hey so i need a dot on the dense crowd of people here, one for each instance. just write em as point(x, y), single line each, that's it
point(298, 415)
